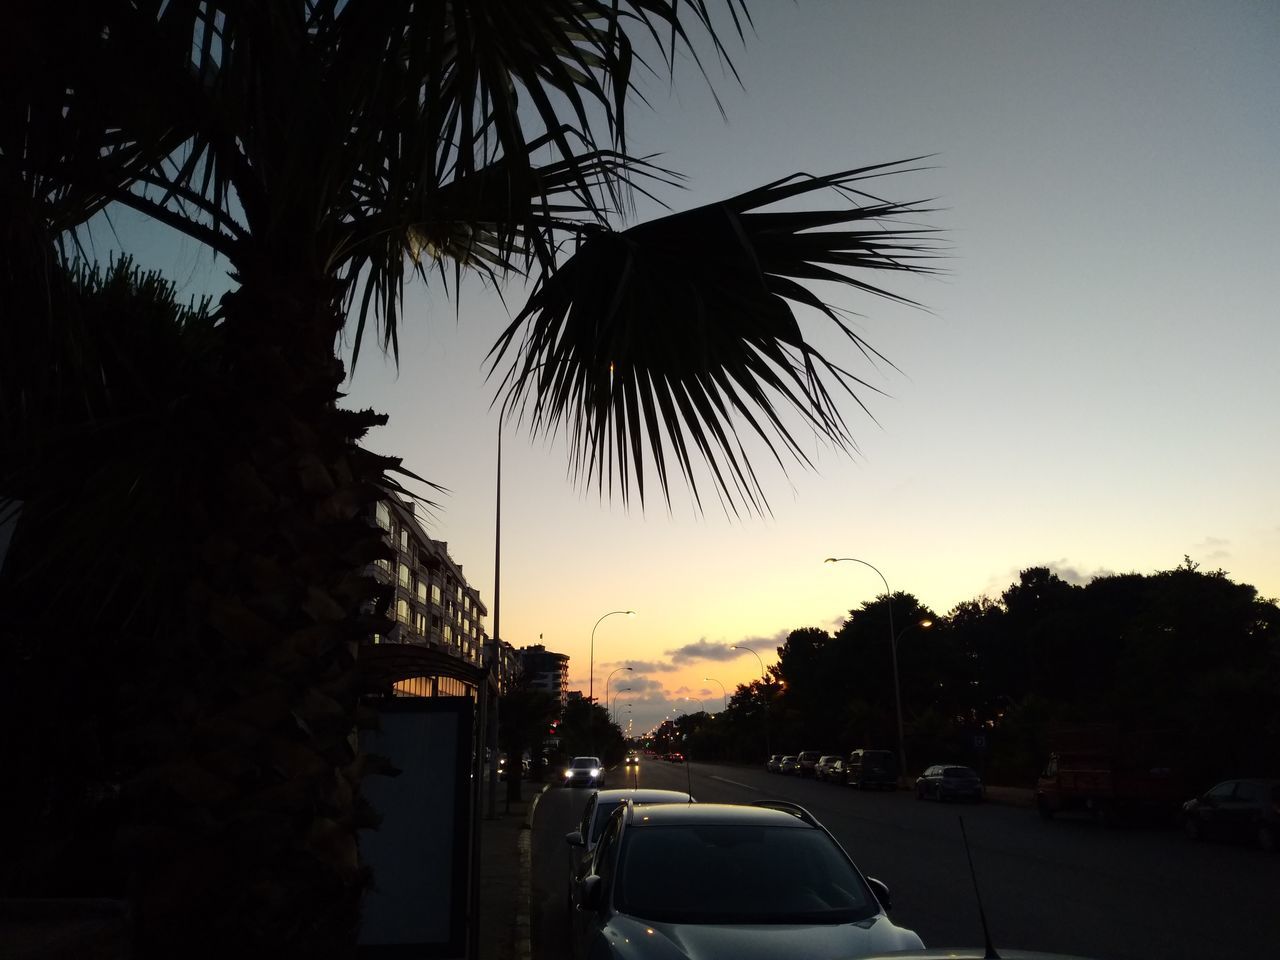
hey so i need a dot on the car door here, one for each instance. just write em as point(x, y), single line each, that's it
point(586, 924)
point(1215, 806)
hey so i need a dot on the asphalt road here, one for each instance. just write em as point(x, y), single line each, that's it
point(1066, 886)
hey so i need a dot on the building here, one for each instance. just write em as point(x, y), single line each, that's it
point(433, 605)
point(547, 671)
point(509, 665)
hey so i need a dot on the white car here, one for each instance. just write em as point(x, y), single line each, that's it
point(584, 772)
point(763, 881)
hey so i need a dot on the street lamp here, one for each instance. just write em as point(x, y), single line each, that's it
point(764, 695)
point(615, 698)
point(606, 684)
point(893, 649)
point(724, 695)
point(591, 664)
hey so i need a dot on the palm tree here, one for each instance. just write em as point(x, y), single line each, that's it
point(328, 150)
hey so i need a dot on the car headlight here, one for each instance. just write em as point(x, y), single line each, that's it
point(568, 774)
point(595, 771)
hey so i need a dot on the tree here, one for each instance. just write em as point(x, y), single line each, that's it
point(524, 713)
point(328, 150)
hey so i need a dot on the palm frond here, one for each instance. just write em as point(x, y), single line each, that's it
point(679, 329)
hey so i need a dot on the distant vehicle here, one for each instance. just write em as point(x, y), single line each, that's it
point(1109, 773)
point(944, 781)
point(633, 760)
point(584, 772)
point(772, 763)
point(807, 760)
point(788, 765)
point(877, 769)
point(674, 757)
point(1236, 809)
point(595, 815)
point(822, 769)
point(835, 772)
point(758, 881)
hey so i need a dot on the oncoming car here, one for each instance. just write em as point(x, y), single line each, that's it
point(584, 772)
point(633, 761)
point(762, 881)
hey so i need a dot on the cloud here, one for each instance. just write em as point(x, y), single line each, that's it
point(724, 652)
point(1073, 575)
point(1214, 548)
point(643, 666)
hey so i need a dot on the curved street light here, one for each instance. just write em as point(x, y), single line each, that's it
point(724, 695)
point(606, 684)
point(893, 649)
point(591, 663)
point(615, 698)
point(764, 681)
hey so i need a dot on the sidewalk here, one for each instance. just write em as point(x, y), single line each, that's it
point(504, 877)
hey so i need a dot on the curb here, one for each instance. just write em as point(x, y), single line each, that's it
point(524, 893)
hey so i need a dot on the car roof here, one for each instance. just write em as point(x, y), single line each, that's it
point(664, 814)
point(641, 795)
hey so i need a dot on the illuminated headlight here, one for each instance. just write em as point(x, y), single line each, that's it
point(595, 771)
point(568, 774)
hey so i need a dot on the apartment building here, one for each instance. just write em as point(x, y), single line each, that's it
point(434, 606)
point(547, 671)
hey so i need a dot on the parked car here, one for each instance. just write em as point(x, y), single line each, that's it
point(835, 772)
point(822, 769)
point(807, 760)
point(1238, 809)
point(788, 765)
point(773, 762)
point(674, 757)
point(945, 781)
point(601, 805)
point(726, 880)
point(584, 772)
point(871, 768)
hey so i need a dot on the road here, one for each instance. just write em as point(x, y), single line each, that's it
point(1066, 886)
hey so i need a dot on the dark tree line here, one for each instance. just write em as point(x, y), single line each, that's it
point(1188, 653)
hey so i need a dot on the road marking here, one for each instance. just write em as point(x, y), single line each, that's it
point(745, 786)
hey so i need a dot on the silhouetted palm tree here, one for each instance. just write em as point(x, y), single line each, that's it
point(328, 149)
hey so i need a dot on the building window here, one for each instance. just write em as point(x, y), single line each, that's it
point(402, 611)
point(448, 634)
point(383, 515)
point(404, 576)
point(422, 592)
point(404, 539)
point(435, 594)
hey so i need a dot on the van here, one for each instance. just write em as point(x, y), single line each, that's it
point(872, 768)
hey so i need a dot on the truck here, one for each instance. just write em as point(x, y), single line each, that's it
point(1110, 772)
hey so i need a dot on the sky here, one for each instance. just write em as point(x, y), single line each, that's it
point(1091, 385)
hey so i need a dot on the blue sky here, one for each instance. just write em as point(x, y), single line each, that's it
point(1093, 385)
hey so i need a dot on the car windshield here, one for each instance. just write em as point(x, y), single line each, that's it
point(960, 773)
point(730, 873)
point(584, 763)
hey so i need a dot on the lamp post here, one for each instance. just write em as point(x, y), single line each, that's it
point(591, 664)
point(724, 695)
point(606, 686)
point(893, 650)
point(764, 695)
point(615, 698)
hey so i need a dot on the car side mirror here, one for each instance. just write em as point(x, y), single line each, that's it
point(574, 838)
point(881, 890)
point(591, 893)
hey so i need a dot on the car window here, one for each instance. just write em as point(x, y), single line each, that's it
point(960, 773)
point(1223, 791)
point(603, 858)
point(732, 873)
point(603, 812)
point(1249, 792)
point(585, 825)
